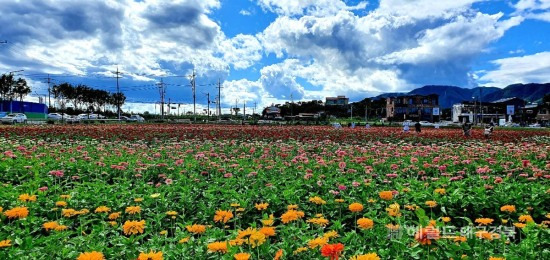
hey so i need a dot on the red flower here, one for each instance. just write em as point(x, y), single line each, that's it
point(333, 251)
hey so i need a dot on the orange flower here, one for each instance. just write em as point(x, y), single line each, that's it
point(133, 227)
point(369, 256)
point(94, 255)
point(217, 247)
point(150, 256)
point(114, 215)
point(268, 231)
point(27, 198)
point(355, 207)
point(223, 216)
point(425, 235)
point(242, 256)
point(102, 209)
point(484, 221)
point(332, 251)
point(133, 210)
point(508, 208)
point(365, 223)
point(196, 229)
point(525, 219)
point(278, 255)
point(50, 225)
point(323, 222)
point(5, 243)
point(317, 200)
point(431, 203)
point(261, 206)
point(317, 242)
point(291, 215)
point(17, 212)
point(386, 195)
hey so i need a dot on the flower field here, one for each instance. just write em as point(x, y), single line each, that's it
point(293, 192)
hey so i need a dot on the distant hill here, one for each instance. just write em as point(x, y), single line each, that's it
point(449, 95)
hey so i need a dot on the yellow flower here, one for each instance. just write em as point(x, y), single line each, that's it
point(150, 256)
point(446, 219)
point(196, 229)
point(60, 228)
point(247, 232)
point(133, 210)
point(112, 223)
point(102, 209)
point(242, 256)
point(504, 221)
point(17, 212)
point(172, 213)
point(331, 234)
point(411, 207)
point(440, 191)
point(525, 219)
point(392, 226)
point(317, 242)
point(94, 255)
point(155, 195)
point(240, 210)
point(27, 198)
point(520, 225)
point(386, 195)
point(82, 212)
point(261, 206)
point(496, 258)
point(5, 243)
point(484, 221)
point(323, 222)
point(431, 203)
point(184, 240)
point(133, 227)
point(317, 200)
point(235, 205)
point(486, 235)
point(405, 190)
point(50, 225)
point(365, 223)
point(65, 197)
point(237, 242)
point(268, 231)
point(299, 250)
point(137, 200)
point(223, 216)
point(256, 239)
point(355, 207)
point(371, 201)
point(394, 210)
point(217, 247)
point(508, 208)
point(339, 200)
point(61, 204)
point(291, 215)
point(369, 256)
point(114, 215)
point(268, 222)
point(460, 239)
point(163, 233)
point(292, 207)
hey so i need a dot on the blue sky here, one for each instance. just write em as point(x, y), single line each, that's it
point(267, 51)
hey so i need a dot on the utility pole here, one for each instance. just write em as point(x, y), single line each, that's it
point(480, 106)
point(118, 73)
point(162, 92)
point(169, 105)
point(193, 85)
point(244, 110)
point(208, 99)
point(219, 100)
point(254, 109)
point(292, 107)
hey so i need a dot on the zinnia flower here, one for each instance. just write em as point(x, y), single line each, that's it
point(242, 256)
point(223, 216)
point(526, 219)
point(291, 215)
point(332, 251)
point(256, 239)
point(27, 198)
point(425, 235)
point(369, 256)
point(94, 255)
point(102, 209)
point(317, 200)
point(17, 212)
point(5, 243)
point(508, 208)
point(484, 221)
point(133, 210)
point(323, 222)
point(355, 207)
point(218, 247)
point(196, 229)
point(365, 223)
point(386, 195)
point(317, 242)
point(150, 256)
point(268, 231)
point(114, 215)
point(394, 210)
point(50, 225)
point(431, 203)
point(261, 206)
point(133, 227)
point(278, 255)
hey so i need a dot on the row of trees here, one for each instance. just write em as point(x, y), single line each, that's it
point(11, 88)
point(82, 97)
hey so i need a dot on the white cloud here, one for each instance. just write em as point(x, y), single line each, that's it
point(311, 7)
point(245, 12)
point(242, 51)
point(524, 69)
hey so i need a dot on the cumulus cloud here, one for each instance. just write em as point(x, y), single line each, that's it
point(524, 69)
point(311, 7)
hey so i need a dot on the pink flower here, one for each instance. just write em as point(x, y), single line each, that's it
point(228, 175)
point(307, 176)
point(57, 173)
point(342, 165)
point(355, 184)
point(342, 187)
point(168, 181)
point(45, 188)
point(334, 192)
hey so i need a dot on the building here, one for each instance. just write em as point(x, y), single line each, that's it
point(30, 109)
point(337, 101)
point(415, 107)
point(543, 115)
point(509, 109)
point(272, 112)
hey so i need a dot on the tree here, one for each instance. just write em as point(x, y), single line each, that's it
point(21, 89)
point(118, 99)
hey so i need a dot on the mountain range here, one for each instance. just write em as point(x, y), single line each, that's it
point(449, 95)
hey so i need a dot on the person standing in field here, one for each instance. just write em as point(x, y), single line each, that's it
point(417, 127)
point(467, 128)
point(406, 127)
